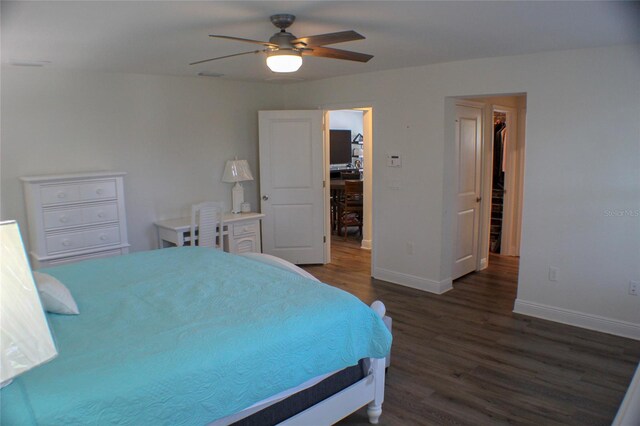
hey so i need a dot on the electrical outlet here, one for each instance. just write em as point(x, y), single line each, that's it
point(633, 287)
point(553, 273)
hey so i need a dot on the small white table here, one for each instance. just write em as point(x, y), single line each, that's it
point(241, 232)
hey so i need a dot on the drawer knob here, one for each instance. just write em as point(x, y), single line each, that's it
point(103, 237)
point(101, 215)
point(66, 243)
point(62, 195)
point(99, 191)
point(64, 219)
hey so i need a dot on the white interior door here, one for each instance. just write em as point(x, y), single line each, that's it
point(469, 168)
point(291, 190)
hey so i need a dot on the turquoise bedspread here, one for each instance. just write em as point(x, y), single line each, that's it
point(186, 336)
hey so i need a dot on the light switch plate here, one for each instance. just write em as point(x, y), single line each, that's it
point(394, 160)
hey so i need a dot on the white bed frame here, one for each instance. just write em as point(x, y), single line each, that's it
point(369, 390)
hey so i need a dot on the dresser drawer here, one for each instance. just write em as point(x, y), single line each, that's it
point(246, 228)
point(56, 194)
point(246, 245)
point(61, 218)
point(65, 242)
point(77, 240)
point(98, 190)
point(101, 213)
point(102, 236)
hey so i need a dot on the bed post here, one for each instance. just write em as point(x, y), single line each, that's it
point(377, 369)
point(374, 409)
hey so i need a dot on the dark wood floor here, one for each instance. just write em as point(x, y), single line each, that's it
point(464, 358)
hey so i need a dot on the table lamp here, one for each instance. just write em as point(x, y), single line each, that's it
point(237, 171)
point(25, 338)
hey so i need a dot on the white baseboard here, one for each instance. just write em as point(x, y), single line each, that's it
point(412, 281)
point(484, 263)
point(579, 319)
point(365, 244)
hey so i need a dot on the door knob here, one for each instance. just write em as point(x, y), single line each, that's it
point(265, 197)
point(478, 199)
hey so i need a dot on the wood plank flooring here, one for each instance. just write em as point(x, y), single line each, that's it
point(464, 358)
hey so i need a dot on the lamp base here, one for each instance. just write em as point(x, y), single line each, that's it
point(237, 198)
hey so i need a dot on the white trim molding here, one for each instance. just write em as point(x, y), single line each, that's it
point(578, 319)
point(484, 263)
point(366, 245)
point(424, 284)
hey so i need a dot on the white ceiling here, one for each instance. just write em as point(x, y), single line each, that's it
point(153, 37)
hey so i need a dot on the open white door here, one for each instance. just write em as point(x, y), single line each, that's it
point(291, 190)
point(469, 169)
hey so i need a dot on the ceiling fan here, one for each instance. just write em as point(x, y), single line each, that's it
point(284, 50)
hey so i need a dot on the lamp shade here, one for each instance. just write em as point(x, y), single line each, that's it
point(236, 171)
point(25, 338)
point(284, 60)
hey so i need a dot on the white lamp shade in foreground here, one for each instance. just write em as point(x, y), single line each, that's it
point(25, 339)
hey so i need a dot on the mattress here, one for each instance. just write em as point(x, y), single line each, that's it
point(187, 335)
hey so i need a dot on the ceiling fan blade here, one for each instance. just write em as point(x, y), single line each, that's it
point(246, 40)
point(330, 38)
point(328, 52)
point(227, 56)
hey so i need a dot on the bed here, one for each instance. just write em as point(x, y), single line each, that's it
point(191, 335)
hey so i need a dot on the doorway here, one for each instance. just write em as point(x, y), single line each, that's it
point(349, 164)
point(501, 182)
point(506, 178)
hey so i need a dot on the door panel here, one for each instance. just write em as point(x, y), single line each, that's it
point(466, 221)
point(293, 157)
point(469, 167)
point(468, 156)
point(291, 221)
point(291, 161)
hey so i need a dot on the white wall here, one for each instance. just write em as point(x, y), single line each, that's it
point(172, 135)
point(582, 171)
point(346, 120)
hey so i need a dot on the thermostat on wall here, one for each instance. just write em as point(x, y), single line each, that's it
point(394, 160)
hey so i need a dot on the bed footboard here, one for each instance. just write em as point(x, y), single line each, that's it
point(369, 390)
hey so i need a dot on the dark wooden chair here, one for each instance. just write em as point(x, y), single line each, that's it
point(350, 207)
point(336, 196)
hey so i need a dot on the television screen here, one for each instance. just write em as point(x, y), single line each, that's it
point(340, 146)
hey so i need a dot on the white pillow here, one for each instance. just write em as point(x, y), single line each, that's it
point(55, 297)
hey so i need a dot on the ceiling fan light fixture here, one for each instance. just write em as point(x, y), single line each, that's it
point(284, 60)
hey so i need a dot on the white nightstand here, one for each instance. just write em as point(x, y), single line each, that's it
point(241, 232)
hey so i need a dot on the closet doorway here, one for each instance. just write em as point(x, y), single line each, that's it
point(503, 144)
point(348, 158)
point(497, 173)
point(507, 173)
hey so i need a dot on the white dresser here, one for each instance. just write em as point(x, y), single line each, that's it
point(74, 217)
